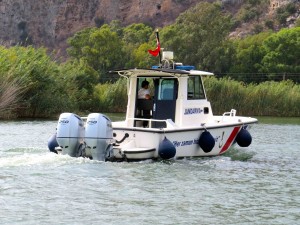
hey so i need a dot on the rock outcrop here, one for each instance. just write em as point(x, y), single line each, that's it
point(50, 22)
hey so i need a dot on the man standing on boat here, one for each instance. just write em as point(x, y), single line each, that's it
point(144, 92)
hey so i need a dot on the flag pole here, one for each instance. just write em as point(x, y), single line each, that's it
point(159, 54)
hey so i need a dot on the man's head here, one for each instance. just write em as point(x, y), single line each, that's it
point(145, 84)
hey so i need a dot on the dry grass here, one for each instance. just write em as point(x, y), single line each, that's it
point(10, 95)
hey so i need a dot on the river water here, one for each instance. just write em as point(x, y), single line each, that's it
point(256, 185)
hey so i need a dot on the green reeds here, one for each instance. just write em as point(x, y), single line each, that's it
point(112, 97)
point(265, 99)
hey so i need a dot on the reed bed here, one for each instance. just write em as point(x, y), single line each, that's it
point(265, 99)
point(112, 97)
point(11, 91)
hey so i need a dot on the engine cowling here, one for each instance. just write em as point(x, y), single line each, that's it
point(70, 133)
point(98, 136)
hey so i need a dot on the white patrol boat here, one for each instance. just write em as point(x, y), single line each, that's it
point(176, 122)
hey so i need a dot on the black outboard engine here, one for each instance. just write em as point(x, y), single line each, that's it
point(98, 136)
point(70, 133)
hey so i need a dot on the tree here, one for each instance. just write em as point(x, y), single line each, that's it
point(101, 48)
point(78, 80)
point(282, 52)
point(198, 36)
point(170, 38)
point(249, 53)
point(116, 26)
point(136, 34)
point(78, 41)
point(141, 58)
point(135, 37)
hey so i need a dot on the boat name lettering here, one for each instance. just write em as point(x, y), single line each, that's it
point(190, 111)
point(185, 143)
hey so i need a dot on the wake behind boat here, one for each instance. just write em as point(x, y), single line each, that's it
point(176, 122)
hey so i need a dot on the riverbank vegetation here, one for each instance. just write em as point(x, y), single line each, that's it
point(257, 75)
point(10, 95)
point(269, 98)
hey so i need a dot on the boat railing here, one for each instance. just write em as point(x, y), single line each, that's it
point(232, 113)
point(168, 122)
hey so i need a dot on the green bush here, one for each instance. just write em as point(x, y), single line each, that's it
point(36, 71)
point(284, 12)
point(297, 24)
point(257, 28)
point(248, 13)
point(112, 97)
point(291, 8)
point(269, 24)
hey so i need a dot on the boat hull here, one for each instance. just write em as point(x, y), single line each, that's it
point(186, 141)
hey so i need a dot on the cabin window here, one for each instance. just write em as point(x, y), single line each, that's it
point(166, 89)
point(195, 88)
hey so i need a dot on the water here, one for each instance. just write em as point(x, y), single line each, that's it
point(257, 185)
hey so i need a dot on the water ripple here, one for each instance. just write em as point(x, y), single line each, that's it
point(257, 185)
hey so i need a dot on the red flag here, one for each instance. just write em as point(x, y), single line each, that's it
point(157, 50)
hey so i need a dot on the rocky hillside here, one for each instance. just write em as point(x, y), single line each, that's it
point(50, 22)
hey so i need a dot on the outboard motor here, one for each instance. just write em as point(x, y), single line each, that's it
point(52, 143)
point(98, 136)
point(70, 133)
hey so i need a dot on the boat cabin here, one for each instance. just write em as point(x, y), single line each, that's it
point(177, 97)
